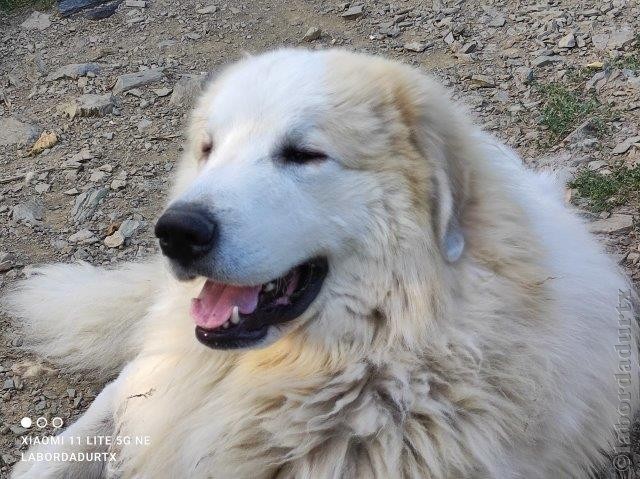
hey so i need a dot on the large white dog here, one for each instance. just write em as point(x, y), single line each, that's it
point(379, 290)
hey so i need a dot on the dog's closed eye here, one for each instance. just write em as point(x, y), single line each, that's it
point(297, 155)
point(205, 149)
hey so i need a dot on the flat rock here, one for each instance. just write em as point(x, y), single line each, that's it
point(115, 240)
point(16, 132)
point(613, 41)
point(545, 60)
point(353, 12)
point(449, 38)
point(416, 46)
point(162, 92)
point(596, 165)
point(313, 33)
point(118, 184)
point(136, 17)
point(86, 204)
point(497, 22)
point(568, 41)
point(483, 81)
point(144, 124)
point(42, 188)
point(207, 10)
point(616, 223)
point(621, 38)
point(7, 261)
point(88, 105)
point(129, 227)
point(82, 156)
point(133, 80)
point(97, 176)
point(31, 211)
point(71, 164)
point(135, 3)
point(74, 70)
point(186, 90)
point(137, 92)
point(389, 29)
point(84, 236)
point(600, 41)
point(37, 21)
point(624, 146)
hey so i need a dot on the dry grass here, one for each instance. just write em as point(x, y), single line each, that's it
point(566, 106)
point(603, 192)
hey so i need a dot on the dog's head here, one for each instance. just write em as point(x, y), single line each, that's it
point(313, 184)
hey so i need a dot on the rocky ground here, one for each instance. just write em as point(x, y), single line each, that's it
point(92, 112)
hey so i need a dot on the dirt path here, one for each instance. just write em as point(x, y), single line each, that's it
point(533, 74)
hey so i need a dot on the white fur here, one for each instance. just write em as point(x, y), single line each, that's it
point(499, 362)
point(76, 310)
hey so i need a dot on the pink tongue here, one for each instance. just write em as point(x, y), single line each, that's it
point(215, 303)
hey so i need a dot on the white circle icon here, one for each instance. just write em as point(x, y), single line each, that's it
point(26, 422)
point(57, 422)
point(41, 422)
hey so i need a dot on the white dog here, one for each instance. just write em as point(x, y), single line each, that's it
point(379, 290)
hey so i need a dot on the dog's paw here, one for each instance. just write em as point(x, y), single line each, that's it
point(27, 469)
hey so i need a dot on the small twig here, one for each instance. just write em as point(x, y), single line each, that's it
point(166, 138)
point(143, 395)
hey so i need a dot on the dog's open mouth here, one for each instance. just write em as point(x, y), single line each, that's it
point(229, 316)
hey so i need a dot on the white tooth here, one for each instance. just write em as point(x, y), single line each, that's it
point(226, 325)
point(269, 287)
point(235, 316)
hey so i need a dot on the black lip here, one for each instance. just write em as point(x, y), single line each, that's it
point(254, 327)
point(223, 339)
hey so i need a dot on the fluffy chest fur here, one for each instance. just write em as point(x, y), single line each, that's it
point(293, 410)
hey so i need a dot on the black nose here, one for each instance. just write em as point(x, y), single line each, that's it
point(186, 232)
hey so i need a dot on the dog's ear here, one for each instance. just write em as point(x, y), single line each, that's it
point(441, 134)
point(446, 223)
